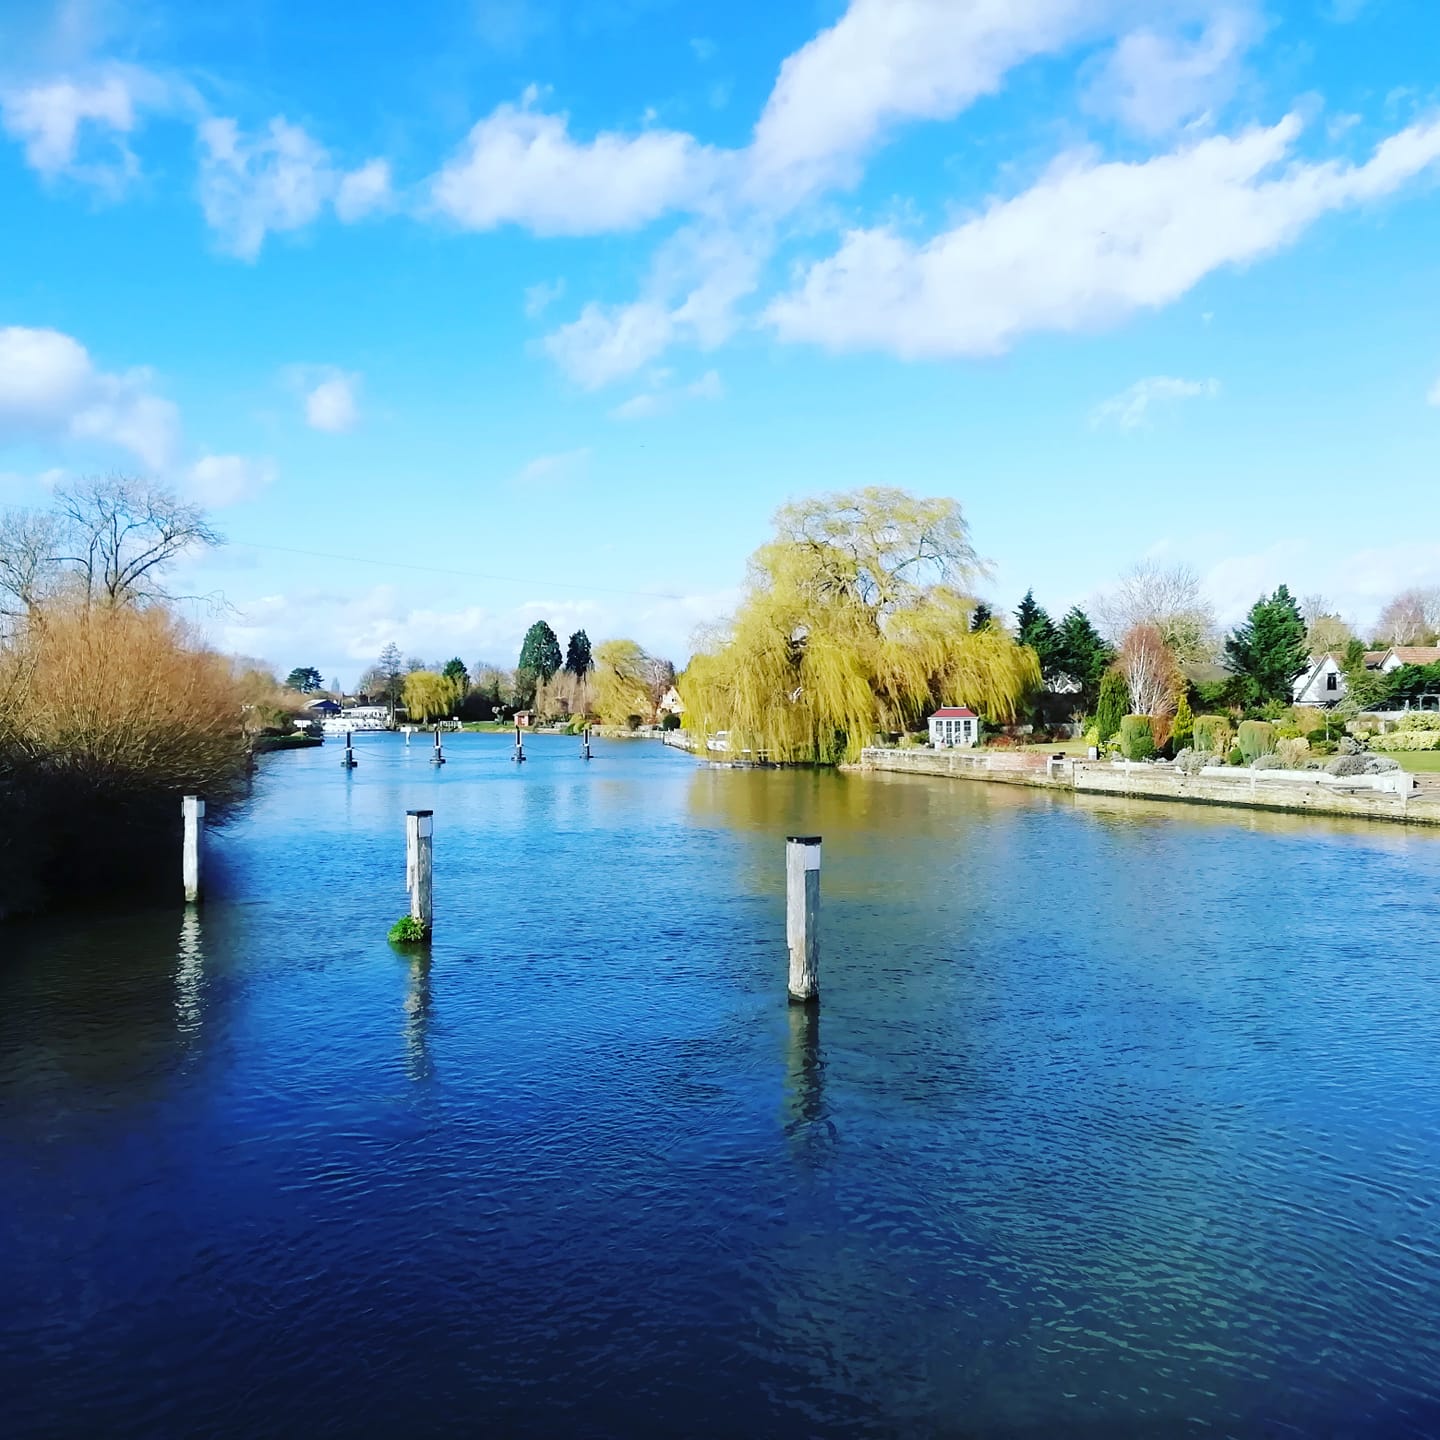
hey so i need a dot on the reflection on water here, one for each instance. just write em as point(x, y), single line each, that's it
point(1114, 1119)
point(417, 1018)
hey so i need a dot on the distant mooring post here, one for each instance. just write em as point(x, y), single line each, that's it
point(519, 755)
point(349, 762)
point(192, 807)
point(420, 864)
point(438, 758)
point(585, 751)
point(802, 916)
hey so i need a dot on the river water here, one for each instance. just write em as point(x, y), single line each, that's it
point(1112, 1120)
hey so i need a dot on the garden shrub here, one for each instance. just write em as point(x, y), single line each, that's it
point(1235, 757)
point(1137, 738)
point(1182, 732)
point(1346, 765)
point(1293, 752)
point(1407, 740)
point(1114, 702)
point(1256, 738)
point(1212, 734)
point(1421, 720)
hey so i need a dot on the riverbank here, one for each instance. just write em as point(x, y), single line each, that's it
point(1248, 789)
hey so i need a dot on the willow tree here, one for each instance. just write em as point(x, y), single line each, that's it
point(621, 681)
point(431, 696)
point(856, 619)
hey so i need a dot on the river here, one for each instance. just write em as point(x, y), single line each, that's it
point(1112, 1120)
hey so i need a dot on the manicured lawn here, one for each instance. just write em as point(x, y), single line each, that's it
point(1418, 762)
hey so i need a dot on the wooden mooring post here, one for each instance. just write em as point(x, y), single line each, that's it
point(349, 762)
point(519, 756)
point(802, 916)
point(585, 749)
point(192, 807)
point(438, 758)
point(420, 864)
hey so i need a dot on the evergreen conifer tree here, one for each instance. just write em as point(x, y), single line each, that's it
point(1268, 651)
point(981, 617)
point(1081, 652)
point(1114, 705)
point(1037, 630)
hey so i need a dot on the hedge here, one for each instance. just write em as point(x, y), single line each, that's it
point(1256, 738)
point(1137, 738)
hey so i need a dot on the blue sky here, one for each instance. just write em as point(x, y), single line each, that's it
point(470, 313)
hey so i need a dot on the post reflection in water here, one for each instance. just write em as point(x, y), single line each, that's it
point(189, 975)
point(418, 1062)
point(805, 1108)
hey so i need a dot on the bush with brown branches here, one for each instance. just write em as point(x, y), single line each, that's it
point(108, 715)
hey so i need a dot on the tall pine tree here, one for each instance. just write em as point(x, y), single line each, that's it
point(578, 660)
point(1268, 651)
point(1081, 652)
point(981, 616)
point(1037, 630)
point(540, 654)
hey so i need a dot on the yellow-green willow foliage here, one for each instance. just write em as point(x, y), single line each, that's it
point(618, 683)
point(854, 622)
point(430, 696)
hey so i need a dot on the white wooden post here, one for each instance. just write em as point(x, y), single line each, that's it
point(349, 762)
point(586, 751)
point(519, 756)
point(438, 758)
point(802, 916)
point(192, 807)
point(420, 864)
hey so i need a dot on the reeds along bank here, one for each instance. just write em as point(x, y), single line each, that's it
point(108, 714)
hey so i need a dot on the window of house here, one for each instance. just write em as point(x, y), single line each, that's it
point(1332, 681)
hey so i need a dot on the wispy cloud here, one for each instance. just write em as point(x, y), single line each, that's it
point(1131, 408)
point(554, 469)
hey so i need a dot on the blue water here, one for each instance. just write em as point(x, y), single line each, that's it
point(1112, 1120)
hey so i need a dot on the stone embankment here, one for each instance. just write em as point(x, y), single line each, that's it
point(1292, 791)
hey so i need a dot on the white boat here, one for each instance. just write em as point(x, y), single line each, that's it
point(357, 719)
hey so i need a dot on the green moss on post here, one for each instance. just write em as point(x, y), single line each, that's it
point(409, 931)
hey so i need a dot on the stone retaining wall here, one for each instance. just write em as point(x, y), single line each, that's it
point(1149, 782)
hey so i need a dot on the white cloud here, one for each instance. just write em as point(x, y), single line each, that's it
point(281, 180)
point(1090, 243)
point(708, 387)
point(343, 634)
point(697, 280)
point(554, 469)
point(640, 407)
point(1433, 398)
point(332, 405)
point(51, 389)
point(888, 61)
point(704, 49)
point(364, 191)
point(220, 480)
point(79, 126)
point(539, 298)
point(1155, 80)
point(1130, 409)
point(520, 166)
point(607, 343)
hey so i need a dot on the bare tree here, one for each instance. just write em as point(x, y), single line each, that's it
point(123, 532)
point(1148, 665)
point(30, 547)
point(1412, 617)
point(1171, 600)
point(1325, 629)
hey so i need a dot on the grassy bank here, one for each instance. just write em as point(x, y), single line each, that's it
point(1417, 762)
point(264, 744)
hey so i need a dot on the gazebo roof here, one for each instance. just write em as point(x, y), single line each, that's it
point(953, 712)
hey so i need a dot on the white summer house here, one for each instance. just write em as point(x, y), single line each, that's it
point(954, 728)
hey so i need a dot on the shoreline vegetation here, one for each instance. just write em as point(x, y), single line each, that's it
point(859, 617)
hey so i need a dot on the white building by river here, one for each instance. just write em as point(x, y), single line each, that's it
point(954, 728)
point(357, 718)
